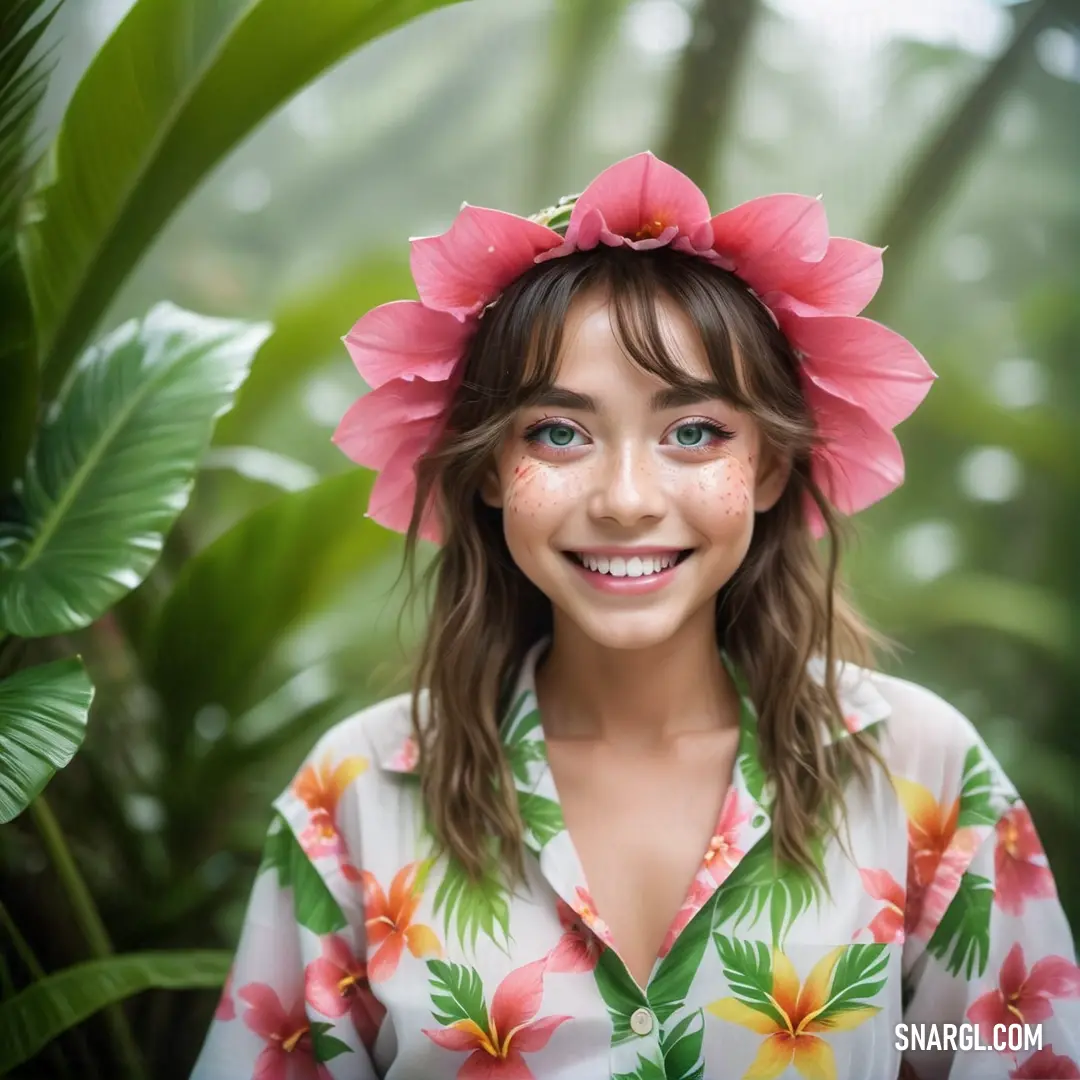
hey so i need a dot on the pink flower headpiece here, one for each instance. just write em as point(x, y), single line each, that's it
point(860, 378)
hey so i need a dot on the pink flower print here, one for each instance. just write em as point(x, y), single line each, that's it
point(1020, 869)
point(700, 891)
point(337, 983)
point(288, 1054)
point(586, 908)
point(511, 1029)
point(320, 788)
point(723, 854)
point(407, 756)
point(578, 949)
point(1044, 1064)
point(887, 926)
point(1022, 996)
point(226, 1009)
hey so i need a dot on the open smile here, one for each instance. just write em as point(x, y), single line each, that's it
point(634, 573)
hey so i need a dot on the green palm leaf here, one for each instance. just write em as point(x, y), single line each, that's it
point(37, 1015)
point(748, 969)
point(203, 74)
point(858, 977)
point(471, 907)
point(113, 465)
point(962, 938)
point(457, 992)
point(21, 89)
point(42, 723)
point(313, 903)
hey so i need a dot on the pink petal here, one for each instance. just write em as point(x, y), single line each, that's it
point(271, 1064)
point(466, 267)
point(321, 978)
point(336, 950)
point(640, 192)
point(1055, 977)
point(841, 283)
point(881, 885)
point(370, 431)
point(480, 1065)
point(405, 340)
point(518, 996)
point(394, 491)
point(535, 1036)
point(385, 960)
point(1013, 971)
point(451, 1038)
point(572, 954)
point(988, 1010)
point(862, 362)
point(265, 1016)
point(766, 238)
point(861, 462)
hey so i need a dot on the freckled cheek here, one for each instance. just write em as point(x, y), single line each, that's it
point(536, 490)
point(721, 492)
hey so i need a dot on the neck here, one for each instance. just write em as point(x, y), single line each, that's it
point(636, 697)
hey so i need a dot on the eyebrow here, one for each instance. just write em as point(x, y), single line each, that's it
point(671, 397)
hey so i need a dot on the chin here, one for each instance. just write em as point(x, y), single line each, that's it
point(627, 630)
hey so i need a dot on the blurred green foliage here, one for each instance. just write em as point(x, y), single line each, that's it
point(218, 181)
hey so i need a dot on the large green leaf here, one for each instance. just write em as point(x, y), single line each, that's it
point(202, 73)
point(42, 723)
point(233, 601)
point(46, 1009)
point(113, 465)
point(307, 331)
point(22, 84)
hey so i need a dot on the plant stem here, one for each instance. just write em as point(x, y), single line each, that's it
point(33, 965)
point(93, 929)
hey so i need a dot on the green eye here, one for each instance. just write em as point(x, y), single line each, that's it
point(561, 435)
point(690, 434)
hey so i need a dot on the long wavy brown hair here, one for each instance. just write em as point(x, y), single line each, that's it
point(784, 604)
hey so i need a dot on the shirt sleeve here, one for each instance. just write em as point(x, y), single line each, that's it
point(990, 958)
point(297, 1001)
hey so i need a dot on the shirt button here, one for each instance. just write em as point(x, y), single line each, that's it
point(641, 1022)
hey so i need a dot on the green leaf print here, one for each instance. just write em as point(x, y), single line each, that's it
point(647, 1069)
point(855, 980)
point(760, 883)
point(457, 992)
point(977, 791)
point(313, 903)
point(681, 1048)
point(748, 968)
point(522, 722)
point(962, 938)
point(522, 756)
point(471, 907)
point(326, 1046)
point(542, 817)
point(620, 993)
point(668, 988)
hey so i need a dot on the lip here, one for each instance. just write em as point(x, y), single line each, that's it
point(627, 552)
point(627, 585)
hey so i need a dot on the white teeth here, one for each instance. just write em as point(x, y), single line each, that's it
point(635, 566)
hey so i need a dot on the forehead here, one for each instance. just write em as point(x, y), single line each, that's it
point(591, 349)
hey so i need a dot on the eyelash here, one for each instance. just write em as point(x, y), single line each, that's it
point(713, 427)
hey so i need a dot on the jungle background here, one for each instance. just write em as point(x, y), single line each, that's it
point(265, 161)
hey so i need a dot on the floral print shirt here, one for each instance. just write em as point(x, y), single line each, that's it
point(363, 957)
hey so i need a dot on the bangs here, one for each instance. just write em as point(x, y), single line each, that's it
point(516, 355)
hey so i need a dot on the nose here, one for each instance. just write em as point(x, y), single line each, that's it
point(628, 487)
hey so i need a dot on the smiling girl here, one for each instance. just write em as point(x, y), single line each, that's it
point(649, 811)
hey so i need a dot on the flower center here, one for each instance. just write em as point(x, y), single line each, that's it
point(1011, 839)
point(649, 231)
point(289, 1044)
point(716, 845)
point(347, 986)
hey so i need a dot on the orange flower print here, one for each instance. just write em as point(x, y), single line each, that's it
point(585, 906)
point(887, 926)
point(938, 855)
point(389, 923)
point(320, 789)
point(1020, 869)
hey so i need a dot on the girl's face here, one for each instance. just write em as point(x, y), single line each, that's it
point(628, 502)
